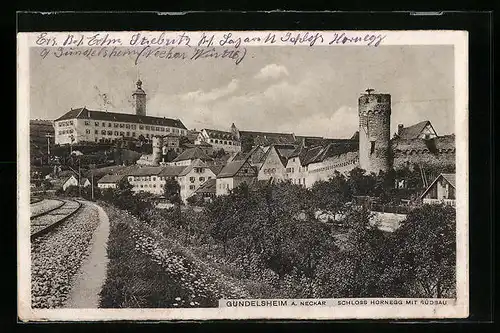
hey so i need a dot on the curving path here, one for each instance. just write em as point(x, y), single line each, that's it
point(92, 273)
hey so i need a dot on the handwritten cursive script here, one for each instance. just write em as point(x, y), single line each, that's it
point(141, 53)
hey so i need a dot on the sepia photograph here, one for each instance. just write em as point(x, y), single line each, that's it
point(177, 171)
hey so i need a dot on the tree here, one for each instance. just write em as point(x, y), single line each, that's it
point(172, 192)
point(354, 270)
point(247, 143)
point(360, 183)
point(171, 155)
point(333, 194)
point(423, 253)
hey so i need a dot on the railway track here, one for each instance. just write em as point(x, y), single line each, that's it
point(44, 222)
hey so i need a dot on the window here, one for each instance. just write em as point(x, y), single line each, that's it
point(153, 179)
point(191, 187)
point(141, 127)
point(216, 141)
point(154, 185)
point(202, 179)
point(109, 124)
point(96, 132)
point(133, 134)
point(372, 149)
point(116, 132)
point(211, 140)
point(191, 179)
point(161, 185)
point(167, 129)
point(87, 122)
point(122, 125)
point(147, 128)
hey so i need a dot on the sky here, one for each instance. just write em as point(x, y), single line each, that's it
point(300, 90)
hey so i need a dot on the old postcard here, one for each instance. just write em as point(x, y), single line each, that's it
point(242, 175)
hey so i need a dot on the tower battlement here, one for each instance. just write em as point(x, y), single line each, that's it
point(374, 131)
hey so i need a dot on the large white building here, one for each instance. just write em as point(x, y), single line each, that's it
point(219, 140)
point(83, 125)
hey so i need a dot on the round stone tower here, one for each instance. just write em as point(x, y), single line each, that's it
point(374, 131)
point(157, 144)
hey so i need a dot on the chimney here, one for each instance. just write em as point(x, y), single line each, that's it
point(400, 129)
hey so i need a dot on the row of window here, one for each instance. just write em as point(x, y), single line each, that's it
point(201, 179)
point(132, 126)
point(224, 142)
point(334, 166)
point(147, 178)
point(65, 123)
point(69, 131)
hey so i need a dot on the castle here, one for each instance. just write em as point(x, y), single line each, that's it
point(265, 156)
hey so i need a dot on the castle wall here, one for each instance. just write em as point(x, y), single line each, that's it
point(424, 159)
point(325, 169)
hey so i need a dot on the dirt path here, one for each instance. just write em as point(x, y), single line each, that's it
point(92, 273)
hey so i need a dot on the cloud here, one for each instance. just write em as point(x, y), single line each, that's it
point(271, 71)
point(306, 106)
point(212, 95)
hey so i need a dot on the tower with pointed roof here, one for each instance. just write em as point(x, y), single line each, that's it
point(139, 96)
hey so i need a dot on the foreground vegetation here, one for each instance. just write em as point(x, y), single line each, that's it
point(267, 241)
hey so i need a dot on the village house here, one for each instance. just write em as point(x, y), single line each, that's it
point(62, 183)
point(272, 166)
point(192, 177)
point(207, 190)
point(234, 174)
point(441, 191)
point(189, 156)
point(294, 171)
point(421, 130)
point(110, 181)
point(145, 179)
point(84, 182)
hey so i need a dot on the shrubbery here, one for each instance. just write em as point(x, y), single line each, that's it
point(269, 238)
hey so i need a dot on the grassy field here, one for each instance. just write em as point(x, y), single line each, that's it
point(145, 271)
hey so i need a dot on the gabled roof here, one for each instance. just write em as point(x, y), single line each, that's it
point(84, 113)
point(267, 138)
point(231, 169)
point(320, 153)
point(83, 181)
point(217, 134)
point(145, 171)
point(207, 187)
point(193, 154)
point(171, 171)
point(195, 164)
point(413, 131)
point(61, 181)
point(111, 179)
point(216, 168)
point(449, 177)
